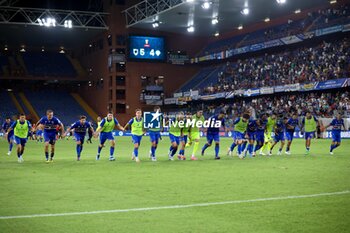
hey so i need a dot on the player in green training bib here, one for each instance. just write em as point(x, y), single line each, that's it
point(194, 132)
point(175, 132)
point(309, 126)
point(105, 130)
point(268, 136)
point(21, 129)
point(137, 131)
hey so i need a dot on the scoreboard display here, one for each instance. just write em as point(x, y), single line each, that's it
point(147, 48)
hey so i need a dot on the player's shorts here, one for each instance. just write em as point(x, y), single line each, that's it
point(259, 137)
point(251, 135)
point(136, 139)
point(336, 136)
point(174, 139)
point(50, 137)
point(10, 136)
point(213, 136)
point(39, 133)
point(104, 136)
point(309, 135)
point(20, 141)
point(195, 136)
point(238, 135)
point(79, 137)
point(184, 139)
point(268, 136)
point(289, 135)
point(154, 136)
point(278, 137)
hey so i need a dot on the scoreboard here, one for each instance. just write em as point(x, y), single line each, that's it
point(147, 48)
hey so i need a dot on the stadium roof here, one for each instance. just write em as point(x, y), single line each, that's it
point(228, 12)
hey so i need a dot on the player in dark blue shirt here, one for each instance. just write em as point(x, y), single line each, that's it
point(260, 131)
point(337, 124)
point(49, 124)
point(80, 128)
point(5, 126)
point(291, 125)
point(279, 134)
point(251, 136)
point(213, 133)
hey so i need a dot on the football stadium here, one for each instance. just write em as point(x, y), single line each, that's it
point(174, 116)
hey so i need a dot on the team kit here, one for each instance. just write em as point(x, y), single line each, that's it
point(250, 136)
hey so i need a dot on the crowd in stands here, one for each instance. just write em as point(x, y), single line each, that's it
point(306, 64)
point(320, 104)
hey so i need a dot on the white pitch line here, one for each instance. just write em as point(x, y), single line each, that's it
point(175, 206)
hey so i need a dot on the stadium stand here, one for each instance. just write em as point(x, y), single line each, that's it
point(61, 102)
point(7, 107)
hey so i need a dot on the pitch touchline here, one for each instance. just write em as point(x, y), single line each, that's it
point(176, 206)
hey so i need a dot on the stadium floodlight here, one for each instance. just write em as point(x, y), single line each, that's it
point(48, 22)
point(190, 29)
point(240, 27)
point(155, 24)
point(267, 19)
point(189, 0)
point(281, 1)
point(333, 2)
point(214, 21)
point(245, 11)
point(217, 34)
point(297, 11)
point(206, 5)
point(68, 23)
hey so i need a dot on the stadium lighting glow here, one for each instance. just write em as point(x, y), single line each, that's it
point(68, 24)
point(245, 11)
point(48, 22)
point(297, 11)
point(281, 1)
point(206, 5)
point(190, 29)
point(214, 21)
point(267, 19)
point(217, 34)
point(189, 0)
point(333, 2)
point(240, 27)
point(155, 24)
point(5, 48)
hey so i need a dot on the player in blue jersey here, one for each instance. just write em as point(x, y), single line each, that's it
point(279, 134)
point(213, 133)
point(154, 134)
point(38, 134)
point(106, 128)
point(5, 126)
point(80, 127)
point(49, 124)
point(260, 131)
point(337, 124)
point(291, 125)
point(251, 137)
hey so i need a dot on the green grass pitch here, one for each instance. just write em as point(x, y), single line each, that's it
point(67, 185)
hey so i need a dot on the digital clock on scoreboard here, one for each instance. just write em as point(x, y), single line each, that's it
point(147, 48)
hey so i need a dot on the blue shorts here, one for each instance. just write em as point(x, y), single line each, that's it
point(289, 135)
point(260, 137)
point(213, 136)
point(336, 136)
point(136, 139)
point(79, 137)
point(104, 136)
point(39, 133)
point(174, 139)
point(278, 137)
point(50, 137)
point(238, 135)
point(20, 141)
point(154, 136)
point(251, 135)
point(10, 136)
point(309, 135)
point(184, 139)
